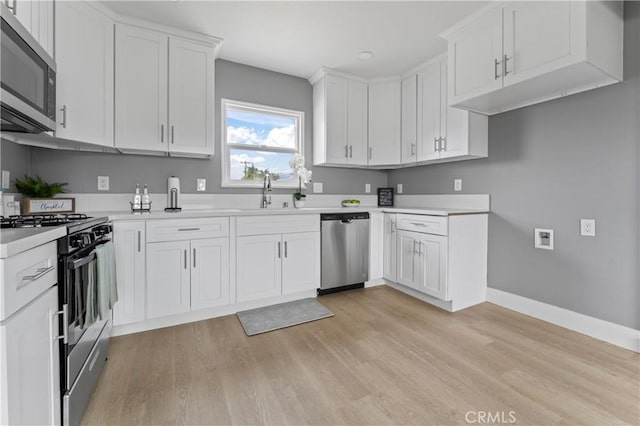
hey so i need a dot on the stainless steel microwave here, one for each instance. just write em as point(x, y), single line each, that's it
point(27, 79)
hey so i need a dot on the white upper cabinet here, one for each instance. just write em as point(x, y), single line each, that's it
point(429, 110)
point(409, 115)
point(384, 122)
point(522, 53)
point(191, 83)
point(164, 93)
point(474, 58)
point(141, 89)
point(339, 120)
point(37, 16)
point(444, 133)
point(84, 57)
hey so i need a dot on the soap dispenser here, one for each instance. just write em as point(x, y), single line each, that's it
point(137, 198)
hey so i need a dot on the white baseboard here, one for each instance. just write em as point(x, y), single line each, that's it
point(374, 282)
point(616, 334)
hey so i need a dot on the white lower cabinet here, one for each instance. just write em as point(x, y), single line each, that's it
point(168, 279)
point(277, 255)
point(259, 267)
point(209, 273)
point(187, 275)
point(130, 246)
point(30, 366)
point(389, 247)
point(273, 265)
point(444, 258)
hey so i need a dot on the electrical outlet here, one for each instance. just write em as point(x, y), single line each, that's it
point(103, 183)
point(457, 184)
point(317, 187)
point(399, 189)
point(588, 227)
point(367, 188)
point(6, 179)
point(201, 184)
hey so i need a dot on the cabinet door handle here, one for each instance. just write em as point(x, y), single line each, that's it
point(65, 325)
point(41, 272)
point(495, 69)
point(139, 241)
point(370, 153)
point(194, 258)
point(504, 62)
point(413, 149)
point(350, 151)
point(162, 133)
point(418, 224)
point(285, 249)
point(64, 116)
point(346, 151)
point(279, 256)
point(172, 138)
point(188, 229)
point(185, 259)
point(420, 248)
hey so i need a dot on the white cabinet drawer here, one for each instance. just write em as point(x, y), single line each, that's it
point(278, 224)
point(187, 229)
point(27, 275)
point(422, 223)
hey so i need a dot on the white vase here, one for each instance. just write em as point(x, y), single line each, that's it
point(299, 203)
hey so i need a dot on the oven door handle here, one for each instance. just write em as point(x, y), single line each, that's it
point(83, 261)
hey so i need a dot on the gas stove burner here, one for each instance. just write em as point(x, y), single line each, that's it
point(37, 221)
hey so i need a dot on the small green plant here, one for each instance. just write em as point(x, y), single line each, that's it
point(37, 188)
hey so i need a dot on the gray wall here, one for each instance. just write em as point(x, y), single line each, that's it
point(550, 165)
point(233, 81)
point(15, 159)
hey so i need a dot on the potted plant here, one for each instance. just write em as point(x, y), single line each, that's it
point(38, 196)
point(304, 177)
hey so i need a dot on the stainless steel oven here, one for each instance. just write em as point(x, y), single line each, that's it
point(85, 345)
point(27, 80)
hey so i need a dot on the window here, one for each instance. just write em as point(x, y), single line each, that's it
point(259, 139)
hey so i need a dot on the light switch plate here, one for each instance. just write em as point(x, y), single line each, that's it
point(317, 187)
point(457, 185)
point(6, 179)
point(367, 188)
point(588, 227)
point(399, 189)
point(201, 184)
point(103, 183)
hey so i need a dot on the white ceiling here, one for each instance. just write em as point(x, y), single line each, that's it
point(299, 37)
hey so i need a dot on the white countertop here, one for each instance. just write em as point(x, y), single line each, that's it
point(14, 241)
point(160, 214)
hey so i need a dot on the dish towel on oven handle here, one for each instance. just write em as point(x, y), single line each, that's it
point(106, 278)
point(91, 305)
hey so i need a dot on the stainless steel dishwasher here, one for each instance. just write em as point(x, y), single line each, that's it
point(345, 251)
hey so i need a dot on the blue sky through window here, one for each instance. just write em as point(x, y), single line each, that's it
point(273, 133)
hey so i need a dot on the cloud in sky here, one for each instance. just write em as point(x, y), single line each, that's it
point(278, 137)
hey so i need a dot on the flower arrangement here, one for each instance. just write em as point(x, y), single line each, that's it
point(304, 175)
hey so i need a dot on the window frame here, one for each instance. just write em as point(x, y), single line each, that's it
point(225, 150)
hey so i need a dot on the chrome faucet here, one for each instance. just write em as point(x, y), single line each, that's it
point(266, 187)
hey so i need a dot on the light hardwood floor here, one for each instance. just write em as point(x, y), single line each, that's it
point(385, 358)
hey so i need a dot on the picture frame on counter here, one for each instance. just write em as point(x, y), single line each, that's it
point(385, 197)
point(48, 205)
